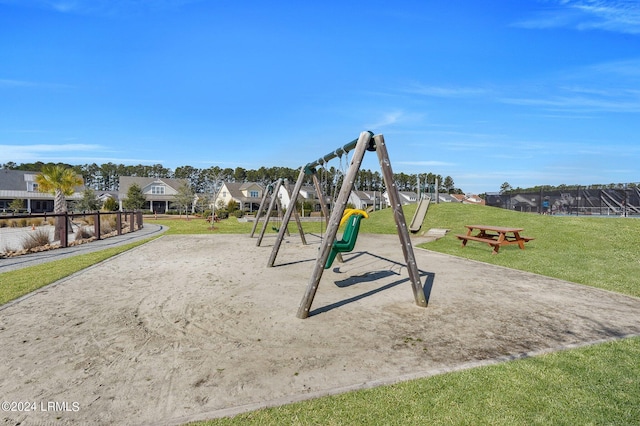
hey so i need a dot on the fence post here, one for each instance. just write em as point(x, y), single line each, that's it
point(96, 225)
point(64, 230)
point(119, 222)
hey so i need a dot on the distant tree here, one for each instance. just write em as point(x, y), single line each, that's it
point(61, 182)
point(135, 198)
point(110, 205)
point(448, 184)
point(184, 198)
point(89, 201)
point(9, 166)
point(203, 202)
point(240, 174)
point(505, 188)
point(16, 205)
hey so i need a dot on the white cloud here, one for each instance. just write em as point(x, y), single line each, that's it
point(445, 91)
point(622, 16)
point(44, 148)
point(395, 117)
point(604, 87)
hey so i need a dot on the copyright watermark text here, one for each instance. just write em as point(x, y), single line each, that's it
point(40, 406)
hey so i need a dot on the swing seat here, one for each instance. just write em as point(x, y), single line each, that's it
point(348, 241)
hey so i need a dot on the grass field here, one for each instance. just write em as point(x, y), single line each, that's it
point(588, 386)
point(594, 251)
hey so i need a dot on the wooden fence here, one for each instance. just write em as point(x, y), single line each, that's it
point(133, 218)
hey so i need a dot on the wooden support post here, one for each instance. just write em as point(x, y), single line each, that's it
point(334, 223)
point(323, 206)
point(119, 222)
point(96, 225)
point(267, 190)
point(274, 198)
point(280, 210)
point(286, 219)
point(401, 224)
point(296, 216)
point(64, 230)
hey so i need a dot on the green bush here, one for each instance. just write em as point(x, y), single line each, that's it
point(110, 205)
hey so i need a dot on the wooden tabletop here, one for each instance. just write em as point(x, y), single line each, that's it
point(500, 229)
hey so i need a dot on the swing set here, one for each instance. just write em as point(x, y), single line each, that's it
point(330, 248)
point(272, 190)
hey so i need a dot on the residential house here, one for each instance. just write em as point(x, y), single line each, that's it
point(468, 199)
point(524, 203)
point(159, 192)
point(307, 195)
point(103, 196)
point(248, 195)
point(365, 200)
point(448, 198)
point(406, 197)
point(21, 185)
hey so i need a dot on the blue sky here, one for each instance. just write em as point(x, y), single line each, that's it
point(530, 92)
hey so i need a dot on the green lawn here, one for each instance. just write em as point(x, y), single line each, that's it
point(594, 251)
point(588, 386)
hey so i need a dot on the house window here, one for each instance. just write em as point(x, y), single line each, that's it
point(253, 194)
point(33, 187)
point(157, 189)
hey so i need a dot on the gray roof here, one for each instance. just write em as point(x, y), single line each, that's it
point(126, 181)
point(13, 180)
point(14, 185)
point(235, 190)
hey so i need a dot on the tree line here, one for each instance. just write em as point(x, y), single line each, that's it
point(506, 188)
point(105, 177)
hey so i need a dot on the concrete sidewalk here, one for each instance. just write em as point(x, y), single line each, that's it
point(32, 259)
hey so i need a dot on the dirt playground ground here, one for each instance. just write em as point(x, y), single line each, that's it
point(195, 327)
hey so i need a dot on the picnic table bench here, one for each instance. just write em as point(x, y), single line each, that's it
point(495, 236)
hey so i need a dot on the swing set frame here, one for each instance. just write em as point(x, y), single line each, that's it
point(273, 189)
point(367, 141)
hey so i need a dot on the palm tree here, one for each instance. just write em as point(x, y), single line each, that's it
point(60, 182)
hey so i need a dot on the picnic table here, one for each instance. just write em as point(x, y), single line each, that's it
point(215, 218)
point(495, 236)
